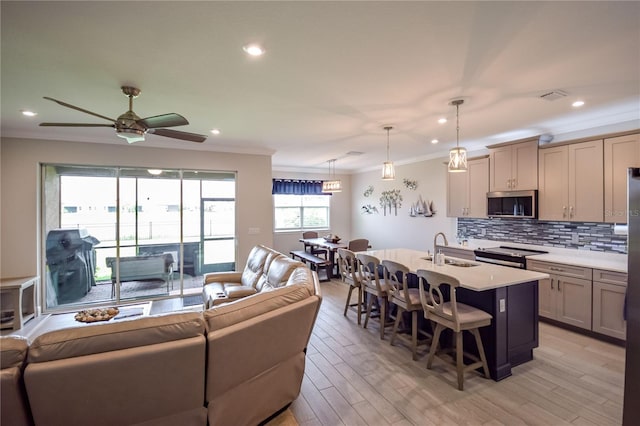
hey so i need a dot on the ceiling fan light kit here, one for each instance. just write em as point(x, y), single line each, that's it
point(130, 126)
point(388, 171)
point(457, 155)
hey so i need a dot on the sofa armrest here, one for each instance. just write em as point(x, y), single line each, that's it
point(227, 277)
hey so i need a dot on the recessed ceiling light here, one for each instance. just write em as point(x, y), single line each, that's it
point(253, 49)
point(154, 172)
point(577, 104)
point(434, 141)
point(215, 131)
point(28, 113)
point(442, 120)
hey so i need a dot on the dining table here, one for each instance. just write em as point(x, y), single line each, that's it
point(331, 246)
point(510, 295)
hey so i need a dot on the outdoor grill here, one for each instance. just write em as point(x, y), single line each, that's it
point(71, 259)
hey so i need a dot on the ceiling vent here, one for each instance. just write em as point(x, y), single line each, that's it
point(553, 95)
point(355, 153)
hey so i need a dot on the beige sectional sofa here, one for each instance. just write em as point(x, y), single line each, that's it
point(236, 363)
point(265, 269)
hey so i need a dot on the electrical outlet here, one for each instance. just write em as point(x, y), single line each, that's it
point(574, 238)
point(503, 305)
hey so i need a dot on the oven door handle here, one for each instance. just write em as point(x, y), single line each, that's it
point(500, 262)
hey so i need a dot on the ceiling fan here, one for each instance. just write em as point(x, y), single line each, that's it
point(133, 128)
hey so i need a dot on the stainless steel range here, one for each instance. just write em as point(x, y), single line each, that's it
point(506, 256)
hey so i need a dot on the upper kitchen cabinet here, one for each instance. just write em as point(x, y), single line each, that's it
point(571, 186)
point(514, 167)
point(467, 191)
point(620, 153)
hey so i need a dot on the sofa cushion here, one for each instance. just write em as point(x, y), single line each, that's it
point(243, 309)
point(255, 265)
point(14, 408)
point(237, 291)
point(13, 351)
point(112, 336)
point(278, 273)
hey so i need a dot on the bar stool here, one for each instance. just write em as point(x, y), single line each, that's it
point(374, 288)
point(407, 300)
point(350, 274)
point(453, 315)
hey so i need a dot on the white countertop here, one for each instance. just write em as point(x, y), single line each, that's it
point(483, 276)
point(584, 258)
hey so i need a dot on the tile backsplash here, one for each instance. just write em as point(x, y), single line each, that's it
point(577, 235)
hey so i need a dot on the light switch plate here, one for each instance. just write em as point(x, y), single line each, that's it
point(503, 305)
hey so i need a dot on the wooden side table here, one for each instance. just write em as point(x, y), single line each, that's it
point(22, 295)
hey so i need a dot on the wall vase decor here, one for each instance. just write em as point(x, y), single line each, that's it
point(410, 184)
point(391, 200)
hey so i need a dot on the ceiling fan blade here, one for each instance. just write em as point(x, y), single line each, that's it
point(78, 108)
point(76, 125)
point(164, 120)
point(192, 137)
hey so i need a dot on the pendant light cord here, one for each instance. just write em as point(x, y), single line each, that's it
point(457, 125)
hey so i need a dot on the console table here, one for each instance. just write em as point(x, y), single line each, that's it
point(22, 296)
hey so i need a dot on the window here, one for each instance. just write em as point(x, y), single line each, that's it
point(93, 216)
point(295, 212)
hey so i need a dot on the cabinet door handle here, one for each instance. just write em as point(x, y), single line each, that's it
point(571, 211)
point(553, 268)
point(559, 289)
point(551, 283)
point(514, 183)
point(564, 211)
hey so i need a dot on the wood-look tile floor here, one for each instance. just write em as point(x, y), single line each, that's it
point(354, 378)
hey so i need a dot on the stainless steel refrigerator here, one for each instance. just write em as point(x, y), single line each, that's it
point(631, 415)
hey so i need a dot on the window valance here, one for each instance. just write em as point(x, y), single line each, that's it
point(297, 187)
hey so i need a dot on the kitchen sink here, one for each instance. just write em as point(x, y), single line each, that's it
point(453, 262)
point(459, 263)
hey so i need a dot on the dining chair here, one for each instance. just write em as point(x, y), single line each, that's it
point(350, 274)
point(407, 300)
point(315, 250)
point(374, 289)
point(360, 244)
point(455, 316)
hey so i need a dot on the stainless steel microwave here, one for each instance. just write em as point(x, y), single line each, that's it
point(516, 204)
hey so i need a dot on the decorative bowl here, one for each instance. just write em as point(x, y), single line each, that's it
point(332, 238)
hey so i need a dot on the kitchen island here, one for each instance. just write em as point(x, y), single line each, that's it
point(510, 295)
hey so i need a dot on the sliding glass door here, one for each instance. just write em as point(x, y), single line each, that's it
point(128, 234)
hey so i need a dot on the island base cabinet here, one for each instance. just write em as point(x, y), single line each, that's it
point(513, 334)
point(608, 310)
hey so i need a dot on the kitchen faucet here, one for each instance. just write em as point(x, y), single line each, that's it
point(435, 238)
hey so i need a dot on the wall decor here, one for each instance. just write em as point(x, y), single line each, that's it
point(422, 208)
point(368, 191)
point(368, 209)
point(410, 184)
point(391, 199)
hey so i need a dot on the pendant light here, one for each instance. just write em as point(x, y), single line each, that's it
point(332, 185)
point(388, 172)
point(457, 156)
